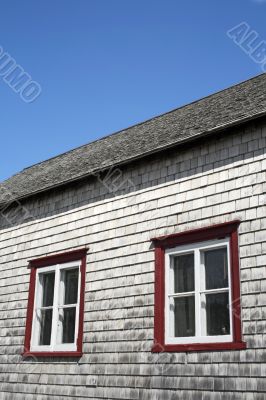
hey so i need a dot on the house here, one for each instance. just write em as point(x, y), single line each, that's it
point(134, 267)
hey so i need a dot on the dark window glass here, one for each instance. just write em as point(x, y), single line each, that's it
point(217, 309)
point(216, 268)
point(48, 289)
point(184, 273)
point(69, 316)
point(71, 286)
point(184, 316)
point(45, 327)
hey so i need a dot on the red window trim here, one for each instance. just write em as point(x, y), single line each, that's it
point(61, 258)
point(219, 231)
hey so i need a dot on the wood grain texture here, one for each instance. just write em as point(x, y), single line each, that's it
point(209, 183)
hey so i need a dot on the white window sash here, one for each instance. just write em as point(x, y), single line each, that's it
point(58, 291)
point(200, 290)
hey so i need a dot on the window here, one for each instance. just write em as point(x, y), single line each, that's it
point(56, 303)
point(197, 294)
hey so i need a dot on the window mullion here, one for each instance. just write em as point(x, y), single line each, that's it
point(197, 293)
point(203, 313)
point(55, 308)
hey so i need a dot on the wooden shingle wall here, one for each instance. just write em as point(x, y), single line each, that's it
point(216, 181)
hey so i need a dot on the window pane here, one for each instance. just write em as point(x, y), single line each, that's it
point(48, 289)
point(217, 309)
point(216, 270)
point(45, 327)
point(185, 316)
point(184, 273)
point(69, 317)
point(71, 285)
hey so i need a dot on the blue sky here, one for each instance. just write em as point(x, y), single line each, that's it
point(104, 65)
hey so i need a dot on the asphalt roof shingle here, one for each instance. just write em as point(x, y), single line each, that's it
point(234, 105)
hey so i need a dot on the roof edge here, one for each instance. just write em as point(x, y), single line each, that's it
point(105, 136)
point(204, 134)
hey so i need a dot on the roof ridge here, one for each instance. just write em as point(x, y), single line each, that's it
point(232, 106)
point(138, 124)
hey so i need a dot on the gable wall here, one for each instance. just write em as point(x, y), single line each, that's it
point(214, 182)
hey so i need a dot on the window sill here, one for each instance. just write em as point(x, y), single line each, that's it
point(51, 354)
point(159, 348)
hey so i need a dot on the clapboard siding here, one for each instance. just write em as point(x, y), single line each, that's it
point(211, 182)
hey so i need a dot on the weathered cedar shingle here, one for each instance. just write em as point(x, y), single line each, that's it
point(237, 103)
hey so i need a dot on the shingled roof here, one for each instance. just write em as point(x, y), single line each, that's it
point(229, 107)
